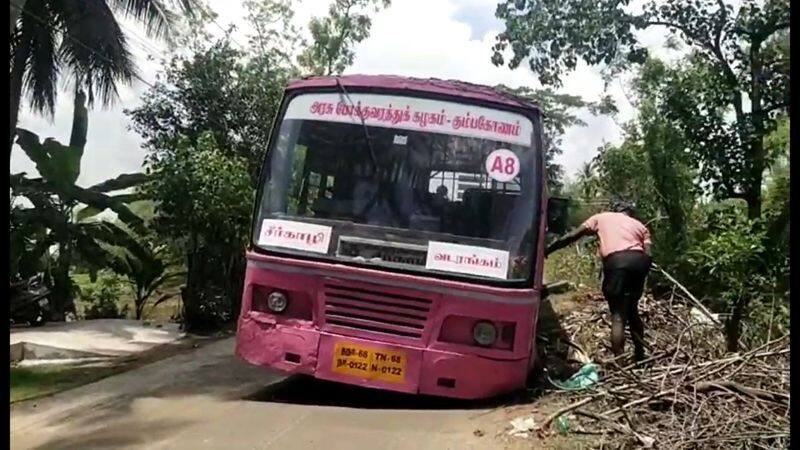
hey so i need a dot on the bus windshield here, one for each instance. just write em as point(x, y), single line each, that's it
point(402, 183)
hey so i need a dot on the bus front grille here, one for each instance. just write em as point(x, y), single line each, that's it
point(375, 310)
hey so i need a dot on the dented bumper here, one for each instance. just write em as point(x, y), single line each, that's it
point(298, 347)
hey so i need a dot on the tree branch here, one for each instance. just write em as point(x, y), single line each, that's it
point(774, 107)
point(716, 51)
point(723, 17)
point(340, 39)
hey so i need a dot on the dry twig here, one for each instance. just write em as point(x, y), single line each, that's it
point(689, 393)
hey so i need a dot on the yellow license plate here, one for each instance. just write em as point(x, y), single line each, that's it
point(371, 363)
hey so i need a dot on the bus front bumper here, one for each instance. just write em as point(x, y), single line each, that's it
point(300, 348)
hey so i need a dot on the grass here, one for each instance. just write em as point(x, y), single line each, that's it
point(579, 268)
point(33, 382)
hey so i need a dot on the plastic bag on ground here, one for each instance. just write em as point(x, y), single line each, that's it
point(584, 378)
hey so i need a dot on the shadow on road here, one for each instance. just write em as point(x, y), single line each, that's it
point(132, 434)
point(303, 390)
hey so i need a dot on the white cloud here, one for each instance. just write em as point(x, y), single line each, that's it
point(439, 45)
point(423, 38)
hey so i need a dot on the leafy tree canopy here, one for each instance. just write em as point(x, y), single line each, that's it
point(200, 193)
point(334, 36)
point(219, 88)
point(724, 97)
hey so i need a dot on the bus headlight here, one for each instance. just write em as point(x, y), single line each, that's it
point(484, 333)
point(277, 302)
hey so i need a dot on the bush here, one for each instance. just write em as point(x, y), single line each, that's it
point(203, 201)
point(577, 264)
point(101, 299)
point(206, 310)
point(738, 276)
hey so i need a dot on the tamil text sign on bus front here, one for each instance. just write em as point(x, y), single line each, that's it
point(410, 113)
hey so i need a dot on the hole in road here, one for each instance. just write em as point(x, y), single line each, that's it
point(303, 390)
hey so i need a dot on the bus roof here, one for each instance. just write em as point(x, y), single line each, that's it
point(429, 85)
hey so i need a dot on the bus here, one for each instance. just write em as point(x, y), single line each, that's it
point(398, 237)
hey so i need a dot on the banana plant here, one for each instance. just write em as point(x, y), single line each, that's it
point(143, 263)
point(58, 226)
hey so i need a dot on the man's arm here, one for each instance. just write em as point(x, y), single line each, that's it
point(568, 238)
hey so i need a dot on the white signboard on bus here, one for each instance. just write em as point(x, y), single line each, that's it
point(410, 113)
point(482, 261)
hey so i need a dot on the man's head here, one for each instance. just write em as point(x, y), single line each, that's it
point(623, 207)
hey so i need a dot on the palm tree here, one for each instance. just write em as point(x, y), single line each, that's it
point(80, 39)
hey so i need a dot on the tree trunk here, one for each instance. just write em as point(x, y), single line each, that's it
point(756, 155)
point(778, 228)
point(80, 122)
point(191, 295)
point(139, 304)
point(733, 327)
point(754, 202)
point(61, 297)
point(756, 147)
point(236, 284)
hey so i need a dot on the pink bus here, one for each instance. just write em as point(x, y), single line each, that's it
point(398, 237)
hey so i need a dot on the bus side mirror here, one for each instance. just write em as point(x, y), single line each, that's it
point(557, 215)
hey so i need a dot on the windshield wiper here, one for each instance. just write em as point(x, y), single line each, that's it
point(382, 191)
point(343, 92)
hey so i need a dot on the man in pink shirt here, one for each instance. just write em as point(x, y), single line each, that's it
point(625, 250)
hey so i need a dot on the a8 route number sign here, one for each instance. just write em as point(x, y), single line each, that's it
point(502, 165)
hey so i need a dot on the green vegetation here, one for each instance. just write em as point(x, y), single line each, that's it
point(33, 382)
point(204, 199)
point(91, 293)
point(738, 266)
point(696, 156)
point(577, 264)
point(60, 217)
point(732, 56)
point(333, 36)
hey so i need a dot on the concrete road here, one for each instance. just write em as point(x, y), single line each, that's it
point(89, 338)
point(208, 399)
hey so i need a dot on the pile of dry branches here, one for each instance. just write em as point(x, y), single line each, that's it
point(687, 394)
